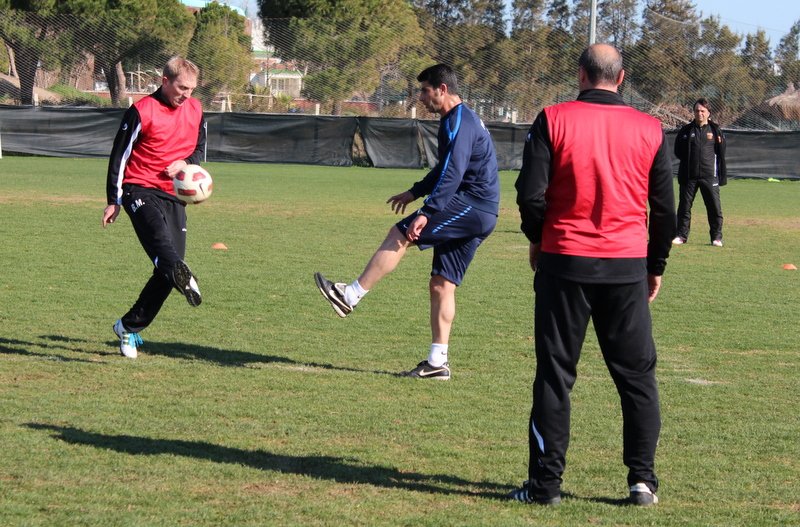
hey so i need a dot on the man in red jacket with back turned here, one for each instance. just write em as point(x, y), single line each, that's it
point(158, 137)
point(590, 169)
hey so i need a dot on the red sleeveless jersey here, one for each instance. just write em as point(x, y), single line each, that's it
point(597, 197)
point(166, 134)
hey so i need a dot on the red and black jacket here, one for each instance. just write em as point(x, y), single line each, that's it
point(590, 169)
point(153, 134)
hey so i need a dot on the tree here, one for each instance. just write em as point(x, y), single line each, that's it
point(168, 36)
point(757, 55)
point(528, 82)
point(616, 22)
point(661, 61)
point(345, 44)
point(526, 15)
point(559, 15)
point(32, 31)
point(44, 31)
point(485, 76)
point(111, 31)
point(445, 12)
point(563, 45)
point(786, 56)
point(412, 58)
point(489, 13)
point(720, 73)
point(222, 50)
point(276, 15)
point(118, 30)
point(580, 21)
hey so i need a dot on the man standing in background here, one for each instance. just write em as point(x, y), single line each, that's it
point(700, 147)
point(590, 169)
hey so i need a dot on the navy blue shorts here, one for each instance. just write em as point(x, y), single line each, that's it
point(455, 234)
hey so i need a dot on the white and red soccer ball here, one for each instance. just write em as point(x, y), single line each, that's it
point(193, 184)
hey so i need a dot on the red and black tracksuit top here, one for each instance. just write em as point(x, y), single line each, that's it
point(590, 169)
point(153, 134)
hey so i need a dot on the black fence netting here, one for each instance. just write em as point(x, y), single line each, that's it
point(324, 140)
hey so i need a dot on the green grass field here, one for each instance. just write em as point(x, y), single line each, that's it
point(261, 407)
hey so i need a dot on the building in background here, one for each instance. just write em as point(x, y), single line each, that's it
point(280, 78)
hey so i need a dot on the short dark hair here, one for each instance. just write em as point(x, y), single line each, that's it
point(702, 101)
point(440, 74)
point(601, 67)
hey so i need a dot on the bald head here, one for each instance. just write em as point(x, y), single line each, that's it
point(600, 67)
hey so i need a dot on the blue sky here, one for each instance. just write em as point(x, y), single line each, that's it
point(775, 17)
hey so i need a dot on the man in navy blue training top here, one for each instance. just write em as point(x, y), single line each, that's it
point(459, 212)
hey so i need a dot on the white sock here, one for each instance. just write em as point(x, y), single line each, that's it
point(438, 355)
point(353, 293)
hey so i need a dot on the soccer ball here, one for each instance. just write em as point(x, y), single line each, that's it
point(193, 184)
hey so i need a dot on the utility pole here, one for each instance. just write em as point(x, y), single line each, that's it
point(593, 23)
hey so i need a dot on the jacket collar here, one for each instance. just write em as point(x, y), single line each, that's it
point(601, 97)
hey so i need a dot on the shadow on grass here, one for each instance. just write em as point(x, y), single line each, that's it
point(618, 502)
point(224, 357)
point(338, 469)
point(21, 347)
point(175, 350)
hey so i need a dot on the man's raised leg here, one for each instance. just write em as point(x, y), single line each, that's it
point(343, 297)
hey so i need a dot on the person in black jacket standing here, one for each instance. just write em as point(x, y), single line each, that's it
point(700, 147)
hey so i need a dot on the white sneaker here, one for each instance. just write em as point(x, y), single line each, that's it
point(678, 240)
point(717, 243)
point(128, 342)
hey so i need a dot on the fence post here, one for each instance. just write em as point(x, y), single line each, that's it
point(593, 22)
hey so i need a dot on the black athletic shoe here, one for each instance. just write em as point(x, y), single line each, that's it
point(333, 293)
point(524, 495)
point(185, 282)
point(426, 371)
point(642, 496)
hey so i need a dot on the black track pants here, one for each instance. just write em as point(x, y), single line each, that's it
point(160, 225)
point(709, 189)
point(621, 318)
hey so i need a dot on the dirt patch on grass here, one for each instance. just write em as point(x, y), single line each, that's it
point(25, 198)
point(777, 223)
